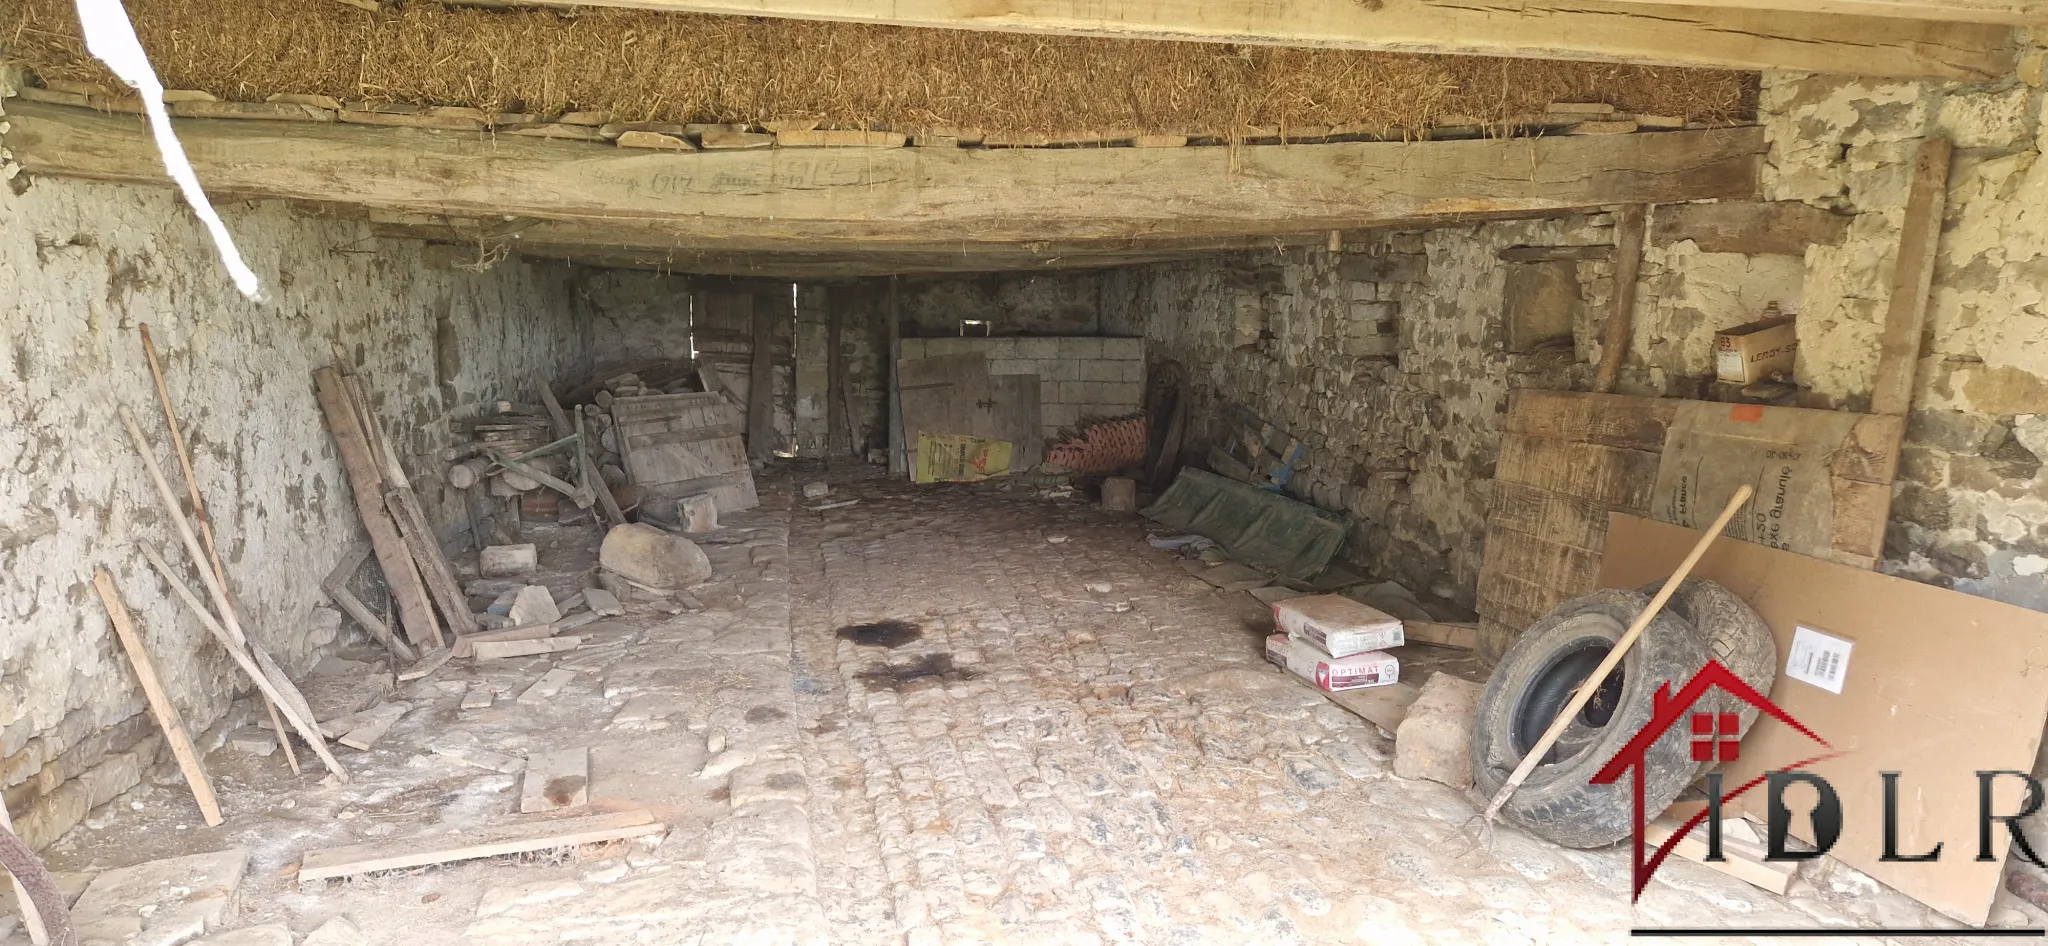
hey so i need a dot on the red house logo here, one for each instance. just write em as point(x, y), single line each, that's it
point(1714, 739)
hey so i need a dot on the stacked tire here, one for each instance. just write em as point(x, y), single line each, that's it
point(1540, 672)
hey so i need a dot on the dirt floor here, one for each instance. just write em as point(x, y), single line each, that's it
point(956, 714)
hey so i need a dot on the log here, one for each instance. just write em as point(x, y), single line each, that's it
point(1621, 313)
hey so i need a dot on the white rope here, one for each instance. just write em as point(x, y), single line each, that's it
point(110, 37)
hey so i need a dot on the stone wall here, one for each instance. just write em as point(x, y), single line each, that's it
point(1063, 303)
point(636, 317)
point(81, 266)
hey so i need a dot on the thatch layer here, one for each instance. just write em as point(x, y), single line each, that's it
point(680, 67)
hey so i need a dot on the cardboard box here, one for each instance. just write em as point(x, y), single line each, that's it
point(1332, 674)
point(1749, 353)
point(1338, 625)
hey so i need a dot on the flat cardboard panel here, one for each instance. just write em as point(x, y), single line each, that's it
point(1939, 686)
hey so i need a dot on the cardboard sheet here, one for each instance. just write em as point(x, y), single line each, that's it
point(1936, 685)
point(950, 459)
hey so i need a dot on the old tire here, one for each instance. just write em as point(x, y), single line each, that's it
point(1534, 680)
point(1736, 636)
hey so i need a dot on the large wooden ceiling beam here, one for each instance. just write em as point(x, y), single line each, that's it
point(854, 198)
point(1777, 34)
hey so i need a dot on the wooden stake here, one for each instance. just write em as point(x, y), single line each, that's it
point(163, 397)
point(159, 702)
point(1905, 317)
point(225, 635)
point(1628, 260)
point(760, 381)
point(1591, 684)
point(31, 917)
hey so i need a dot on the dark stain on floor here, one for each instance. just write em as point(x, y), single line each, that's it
point(890, 633)
point(928, 671)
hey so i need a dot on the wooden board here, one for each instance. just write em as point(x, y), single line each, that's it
point(1938, 685)
point(373, 724)
point(1740, 859)
point(516, 838)
point(1898, 358)
point(435, 571)
point(408, 589)
point(1569, 459)
point(680, 444)
point(160, 705)
point(955, 394)
point(549, 684)
point(480, 696)
point(556, 780)
point(465, 646)
point(499, 650)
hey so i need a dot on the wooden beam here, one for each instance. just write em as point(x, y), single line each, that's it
point(1551, 254)
point(1784, 227)
point(160, 705)
point(526, 834)
point(848, 199)
point(760, 381)
point(1661, 34)
point(1621, 313)
point(1898, 354)
point(2009, 12)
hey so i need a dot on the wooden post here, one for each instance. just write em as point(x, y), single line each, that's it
point(761, 381)
point(1628, 261)
point(160, 704)
point(1898, 354)
point(358, 457)
point(898, 462)
point(835, 379)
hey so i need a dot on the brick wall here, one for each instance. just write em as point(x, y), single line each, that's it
point(1077, 377)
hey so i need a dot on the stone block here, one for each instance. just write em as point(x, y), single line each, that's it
point(1366, 316)
point(1042, 349)
point(1005, 365)
point(1133, 372)
point(1124, 394)
point(1060, 369)
point(1048, 393)
point(1077, 392)
point(911, 348)
point(1356, 292)
point(1119, 494)
point(1123, 349)
point(649, 557)
point(1080, 348)
point(1435, 740)
point(533, 605)
point(508, 561)
point(1102, 370)
point(999, 348)
point(603, 603)
point(947, 346)
point(1056, 416)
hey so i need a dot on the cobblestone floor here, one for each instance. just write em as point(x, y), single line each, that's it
point(1084, 746)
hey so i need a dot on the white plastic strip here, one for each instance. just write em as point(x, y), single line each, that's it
point(111, 38)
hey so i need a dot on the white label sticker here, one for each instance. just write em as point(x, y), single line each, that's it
point(1819, 659)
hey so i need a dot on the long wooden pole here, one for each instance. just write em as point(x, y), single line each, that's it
point(160, 704)
point(31, 915)
point(163, 397)
point(231, 628)
point(1592, 682)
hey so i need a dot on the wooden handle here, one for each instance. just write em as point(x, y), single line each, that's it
point(1592, 682)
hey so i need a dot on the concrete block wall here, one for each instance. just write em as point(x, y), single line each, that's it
point(1078, 378)
point(84, 264)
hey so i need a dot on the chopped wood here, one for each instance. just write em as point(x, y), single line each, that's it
point(366, 479)
point(426, 665)
point(480, 696)
point(519, 837)
point(253, 111)
point(840, 139)
point(328, 102)
point(580, 498)
point(499, 650)
point(556, 780)
point(373, 724)
point(1442, 634)
point(160, 705)
point(465, 645)
point(734, 140)
point(1741, 858)
point(552, 130)
point(549, 684)
point(1898, 346)
point(654, 141)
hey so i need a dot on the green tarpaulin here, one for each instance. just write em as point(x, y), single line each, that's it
point(1255, 526)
